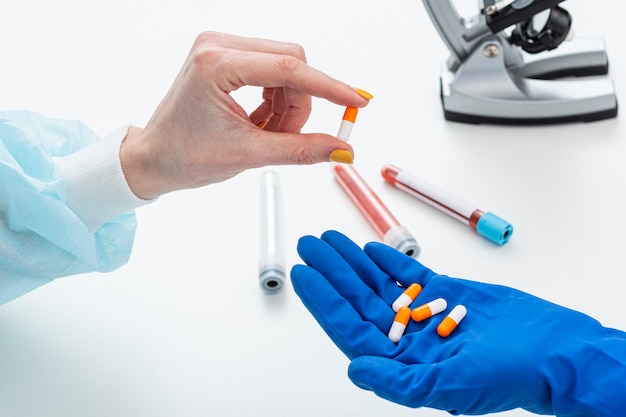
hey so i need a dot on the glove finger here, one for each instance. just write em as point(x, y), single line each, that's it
point(347, 328)
point(333, 268)
point(460, 384)
point(423, 385)
point(339, 273)
point(370, 273)
point(401, 267)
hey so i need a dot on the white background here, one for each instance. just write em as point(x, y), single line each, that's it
point(183, 329)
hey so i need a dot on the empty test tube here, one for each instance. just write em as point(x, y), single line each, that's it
point(271, 264)
point(391, 232)
point(488, 225)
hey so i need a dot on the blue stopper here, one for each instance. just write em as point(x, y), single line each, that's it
point(494, 228)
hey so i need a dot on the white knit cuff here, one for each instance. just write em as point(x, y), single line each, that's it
point(96, 189)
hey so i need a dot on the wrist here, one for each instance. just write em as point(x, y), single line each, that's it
point(136, 165)
point(95, 186)
point(587, 374)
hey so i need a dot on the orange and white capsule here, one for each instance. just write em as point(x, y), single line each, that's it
point(399, 324)
point(347, 123)
point(452, 320)
point(407, 297)
point(426, 311)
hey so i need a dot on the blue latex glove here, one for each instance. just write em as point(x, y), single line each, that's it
point(40, 237)
point(511, 350)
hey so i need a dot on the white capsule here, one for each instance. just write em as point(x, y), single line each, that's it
point(347, 123)
point(399, 324)
point(452, 320)
point(426, 311)
point(407, 297)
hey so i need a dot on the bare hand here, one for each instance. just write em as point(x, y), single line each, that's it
point(200, 135)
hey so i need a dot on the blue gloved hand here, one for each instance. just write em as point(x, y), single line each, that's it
point(511, 350)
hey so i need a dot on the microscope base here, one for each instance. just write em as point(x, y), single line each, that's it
point(484, 90)
point(517, 119)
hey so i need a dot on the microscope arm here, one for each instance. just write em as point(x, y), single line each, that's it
point(517, 12)
point(452, 29)
point(462, 35)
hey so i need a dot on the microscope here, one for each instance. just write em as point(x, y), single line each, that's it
point(513, 63)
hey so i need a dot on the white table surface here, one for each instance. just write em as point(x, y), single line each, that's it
point(183, 329)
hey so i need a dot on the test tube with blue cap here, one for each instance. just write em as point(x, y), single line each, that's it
point(486, 224)
point(271, 264)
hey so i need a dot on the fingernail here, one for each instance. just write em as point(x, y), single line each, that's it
point(364, 94)
point(262, 124)
point(341, 155)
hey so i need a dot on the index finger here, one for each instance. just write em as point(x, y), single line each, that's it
point(278, 70)
point(354, 335)
point(244, 43)
point(403, 268)
point(280, 64)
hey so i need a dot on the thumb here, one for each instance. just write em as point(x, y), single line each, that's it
point(303, 149)
point(410, 385)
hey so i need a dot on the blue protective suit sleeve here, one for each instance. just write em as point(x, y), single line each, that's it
point(512, 349)
point(41, 236)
